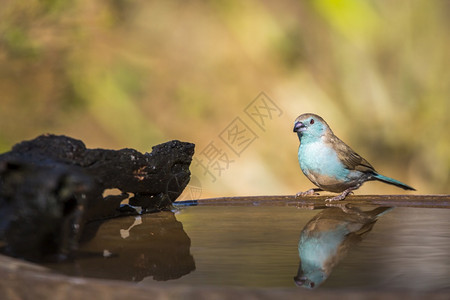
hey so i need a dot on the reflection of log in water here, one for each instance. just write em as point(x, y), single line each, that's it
point(326, 239)
point(133, 248)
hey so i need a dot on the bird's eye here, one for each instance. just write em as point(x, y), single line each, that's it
point(311, 121)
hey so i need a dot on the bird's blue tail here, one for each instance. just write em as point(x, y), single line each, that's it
point(392, 181)
point(379, 211)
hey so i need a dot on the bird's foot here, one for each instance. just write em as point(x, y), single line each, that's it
point(305, 206)
point(345, 207)
point(336, 198)
point(309, 192)
point(341, 196)
point(340, 205)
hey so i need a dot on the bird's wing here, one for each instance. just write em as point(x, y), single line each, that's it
point(351, 159)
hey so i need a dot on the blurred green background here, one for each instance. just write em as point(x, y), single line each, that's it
point(122, 73)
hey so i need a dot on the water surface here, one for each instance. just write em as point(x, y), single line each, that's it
point(257, 246)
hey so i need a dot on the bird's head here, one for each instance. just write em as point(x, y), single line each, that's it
point(310, 125)
point(310, 281)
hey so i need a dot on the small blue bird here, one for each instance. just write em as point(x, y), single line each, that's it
point(329, 163)
point(326, 239)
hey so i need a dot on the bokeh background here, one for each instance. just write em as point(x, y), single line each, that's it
point(122, 73)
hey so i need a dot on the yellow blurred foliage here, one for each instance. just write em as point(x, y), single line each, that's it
point(121, 73)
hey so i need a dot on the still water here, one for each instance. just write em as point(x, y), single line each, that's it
point(260, 246)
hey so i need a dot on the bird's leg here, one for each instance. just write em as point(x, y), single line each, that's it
point(347, 208)
point(308, 192)
point(343, 194)
point(340, 205)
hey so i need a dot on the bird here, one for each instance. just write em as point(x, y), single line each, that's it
point(331, 164)
point(326, 239)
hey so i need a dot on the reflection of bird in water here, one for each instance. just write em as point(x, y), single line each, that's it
point(326, 238)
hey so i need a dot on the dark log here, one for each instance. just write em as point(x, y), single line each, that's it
point(52, 185)
point(41, 209)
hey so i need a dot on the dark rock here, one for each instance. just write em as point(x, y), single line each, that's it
point(54, 184)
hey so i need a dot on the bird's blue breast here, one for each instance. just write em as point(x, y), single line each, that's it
point(318, 247)
point(321, 164)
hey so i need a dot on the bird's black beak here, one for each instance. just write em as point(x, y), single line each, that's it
point(299, 126)
point(299, 281)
